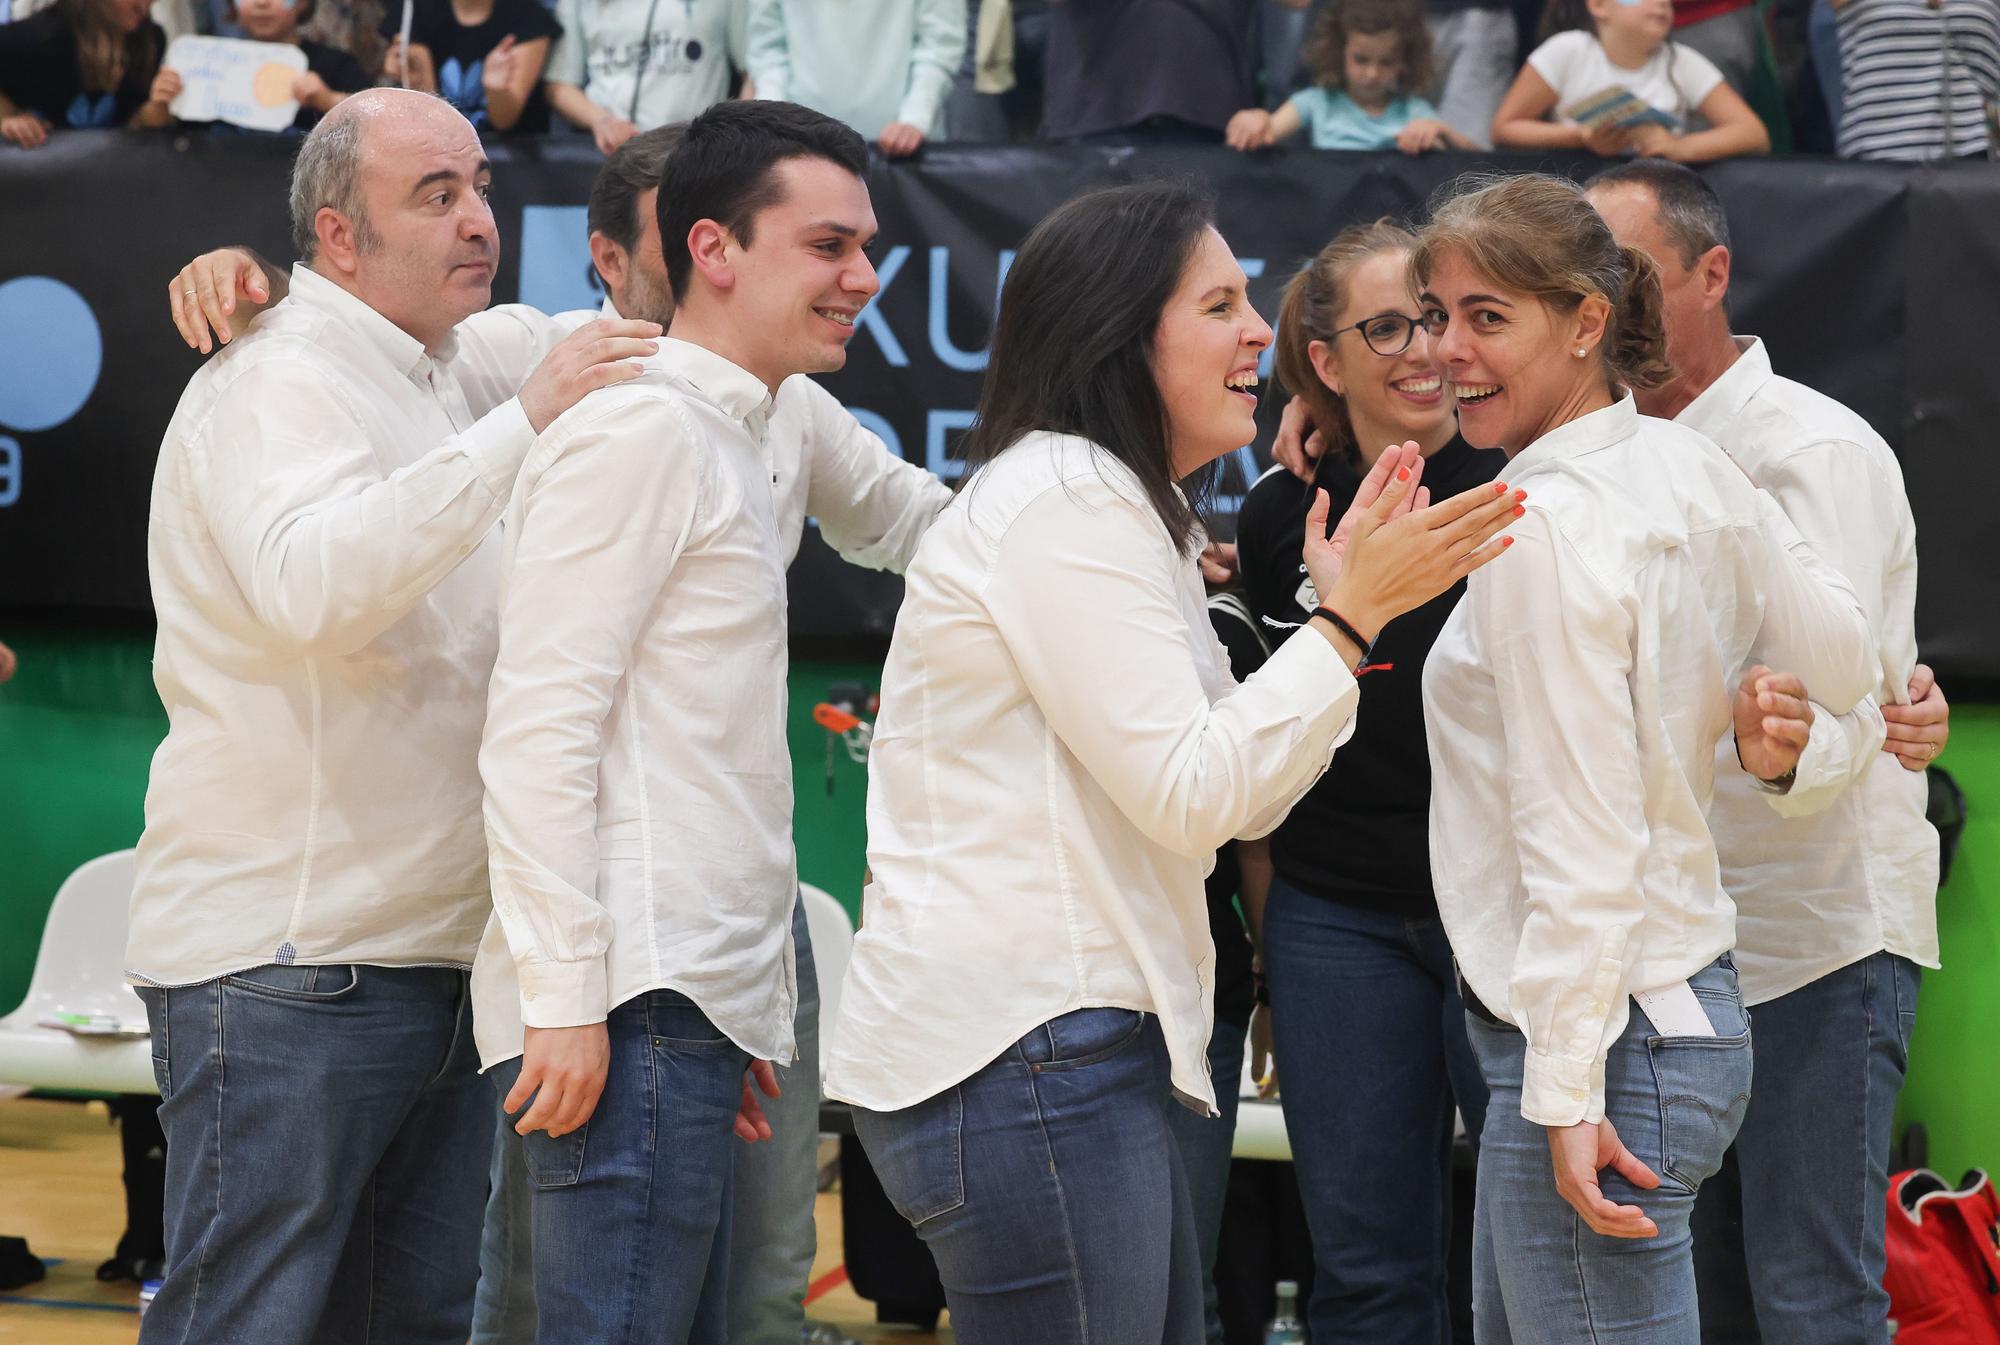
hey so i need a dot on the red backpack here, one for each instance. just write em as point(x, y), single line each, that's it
point(1944, 1260)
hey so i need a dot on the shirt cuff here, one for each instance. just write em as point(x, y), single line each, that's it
point(1556, 1091)
point(498, 444)
point(564, 994)
point(925, 96)
point(1308, 665)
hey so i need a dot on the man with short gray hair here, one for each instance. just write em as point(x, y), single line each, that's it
point(312, 878)
point(1835, 882)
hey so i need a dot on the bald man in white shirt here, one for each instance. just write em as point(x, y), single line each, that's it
point(311, 881)
point(1835, 881)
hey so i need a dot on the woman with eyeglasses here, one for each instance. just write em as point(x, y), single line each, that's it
point(1370, 1037)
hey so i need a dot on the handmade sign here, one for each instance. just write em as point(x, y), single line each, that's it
point(230, 79)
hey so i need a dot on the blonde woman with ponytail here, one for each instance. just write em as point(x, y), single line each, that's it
point(1574, 703)
point(1364, 1009)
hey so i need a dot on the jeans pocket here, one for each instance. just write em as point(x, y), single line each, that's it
point(1081, 1039)
point(554, 1162)
point(301, 985)
point(919, 1155)
point(673, 1020)
point(1704, 1085)
point(156, 1025)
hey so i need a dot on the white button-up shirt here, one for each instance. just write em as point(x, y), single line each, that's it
point(1060, 751)
point(1574, 701)
point(1816, 893)
point(324, 590)
point(639, 789)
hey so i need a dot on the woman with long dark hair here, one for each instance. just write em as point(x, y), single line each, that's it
point(1060, 752)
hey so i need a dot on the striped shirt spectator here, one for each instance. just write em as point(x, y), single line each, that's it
point(1919, 78)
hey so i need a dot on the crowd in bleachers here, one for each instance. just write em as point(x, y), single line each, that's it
point(1690, 80)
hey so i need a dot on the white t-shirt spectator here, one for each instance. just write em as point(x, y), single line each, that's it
point(650, 63)
point(1675, 79)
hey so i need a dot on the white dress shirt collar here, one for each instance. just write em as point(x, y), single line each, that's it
point(1722, 401)
point(405, 351)
point(1586, 434)
point(740, 394)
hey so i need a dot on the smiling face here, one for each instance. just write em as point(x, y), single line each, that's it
point(1205, 351)
point(799, 285)
point(1388, 397)
point(1510, 360)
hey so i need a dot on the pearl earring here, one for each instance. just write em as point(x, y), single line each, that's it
point(1581, 352)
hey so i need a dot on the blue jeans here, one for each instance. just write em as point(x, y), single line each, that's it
point(327, 1139)
point(1788, 1238)
point(1370, 1042)
point(772, 1194)
point(772, 1238)
point(1205, 1144)
point(1539, 1273)
point(1049, 1189)
point(631, 1212)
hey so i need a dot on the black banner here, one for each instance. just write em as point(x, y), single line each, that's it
point(1863, 279)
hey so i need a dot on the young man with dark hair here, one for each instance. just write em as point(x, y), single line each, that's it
point(638, 780)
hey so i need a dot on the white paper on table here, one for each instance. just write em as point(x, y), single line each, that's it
point(232, 79)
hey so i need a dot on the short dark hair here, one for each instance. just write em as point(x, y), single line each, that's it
point(1073, 345)
point(633, 169)
point(723, 170)
point(1691, 214)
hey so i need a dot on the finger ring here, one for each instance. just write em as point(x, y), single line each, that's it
point(190, 291)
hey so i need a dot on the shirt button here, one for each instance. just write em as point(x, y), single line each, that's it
point(1597, 1006)
point(527, 994)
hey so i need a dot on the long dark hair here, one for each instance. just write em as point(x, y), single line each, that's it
point(1072, 349)
point(106, 58)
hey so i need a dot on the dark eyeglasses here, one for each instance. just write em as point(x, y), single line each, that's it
point(1391, 333)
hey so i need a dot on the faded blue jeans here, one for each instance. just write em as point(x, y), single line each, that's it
point(1540, 1275)
point(1788, 1237)
point(1049, 1189)
point(327, 1138)
point(772, 1193)
point(1206, 1143)
point(631, 1212)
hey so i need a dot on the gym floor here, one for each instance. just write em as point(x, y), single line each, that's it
point(60, 1189)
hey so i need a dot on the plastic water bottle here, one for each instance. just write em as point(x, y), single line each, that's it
point(1285, 1328)
point(147, 1289)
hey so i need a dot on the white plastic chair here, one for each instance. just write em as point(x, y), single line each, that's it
point(832, 935)
point(81, 970)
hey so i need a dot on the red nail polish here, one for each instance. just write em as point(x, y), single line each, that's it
point(1499, 487)
point(1402, 474)
point(1519, 511)
point(1506, 542)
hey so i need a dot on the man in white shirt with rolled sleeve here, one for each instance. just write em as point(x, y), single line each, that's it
point(638, 777)
point(312, 880)
point(1835, 887)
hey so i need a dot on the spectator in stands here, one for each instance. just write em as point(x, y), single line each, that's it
point(1370, 1033)
point(625, 66)
point(81, 64)
point(1368, 58)
point(1593, 47)
point(1917, 78)
point(1478, 51)
point(352, 26)
point(882, 66)
point(1730, 33)
point(330, 76)
point(1147, 71)
point(485, 58)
